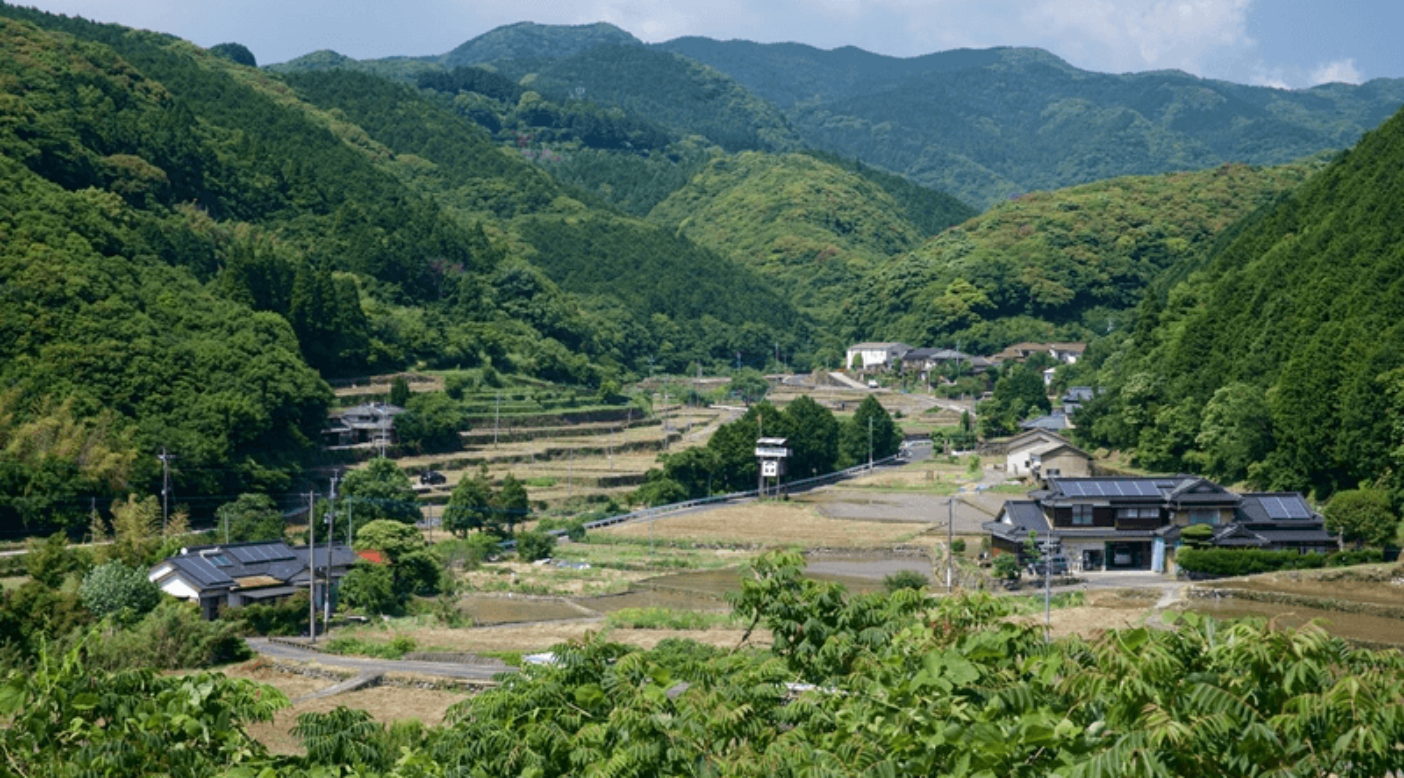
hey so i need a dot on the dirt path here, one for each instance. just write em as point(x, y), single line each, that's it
point(377, 666)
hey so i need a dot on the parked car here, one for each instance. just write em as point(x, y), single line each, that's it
point(432, 478)
point(1058, 565)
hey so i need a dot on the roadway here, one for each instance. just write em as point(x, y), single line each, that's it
point(364, 665)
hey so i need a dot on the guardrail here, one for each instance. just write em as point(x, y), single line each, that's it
point(663, 510)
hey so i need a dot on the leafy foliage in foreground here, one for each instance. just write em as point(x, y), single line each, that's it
point(896, 684)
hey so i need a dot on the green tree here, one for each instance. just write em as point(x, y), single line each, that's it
point(50, 560)
point(250, 517)
point(393, 538)
point(1364, 517)
point(400, 391)
point(1235, 432)
point(380, 490)
point(1019, 394)
point(512, 503)
point(813, 438)
point(136, 532)
point(855, 439)
point(371, 588)
point(114, 588)
point(431, 422)
point(532, 546)
point(470, 506)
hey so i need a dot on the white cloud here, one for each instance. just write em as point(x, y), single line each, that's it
point(1340, 71)
point(1139, 34)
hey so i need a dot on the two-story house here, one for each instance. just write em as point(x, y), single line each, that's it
point(1134, 523)
point(876, 356)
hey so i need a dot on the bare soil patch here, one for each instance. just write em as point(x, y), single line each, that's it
point(769, 524)
point(386, 703)
point(540, 637)
point(1102, 610)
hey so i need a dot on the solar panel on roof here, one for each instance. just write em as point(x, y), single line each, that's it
point(1285, 508)
point(261, 553)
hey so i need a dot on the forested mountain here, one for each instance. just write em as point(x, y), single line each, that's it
point(1280, 361)
point(1058, 265)
point(984, 125)
point(188, 243)
point(529, 40)
point(812, 226)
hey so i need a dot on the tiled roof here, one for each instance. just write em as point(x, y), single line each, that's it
point(266, 562)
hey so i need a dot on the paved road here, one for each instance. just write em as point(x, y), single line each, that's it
point(363, 665)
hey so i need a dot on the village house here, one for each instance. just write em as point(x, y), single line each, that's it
point(1134, 522)
point(1040, 451)
point(234, 574)
point(365, 423)
point(876, 356)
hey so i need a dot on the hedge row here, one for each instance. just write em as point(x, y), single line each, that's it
point(1248, 561)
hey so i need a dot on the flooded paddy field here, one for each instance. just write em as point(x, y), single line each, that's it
point(653, 598)
point(487, 610)
point(1351, 626)
point(1389, 592)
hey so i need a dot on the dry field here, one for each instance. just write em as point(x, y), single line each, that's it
point(769, 524)
point(540, 637)
point(542, 579)
point(1103, 610)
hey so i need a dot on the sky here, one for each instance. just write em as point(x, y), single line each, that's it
point(1289, 44)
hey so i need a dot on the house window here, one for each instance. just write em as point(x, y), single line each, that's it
point(1082, 514)
point(1138, 513)
point(1203, 516)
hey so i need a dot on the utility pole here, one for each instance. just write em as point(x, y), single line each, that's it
point(312, 566)
point(331, 532)
point(496, 418)
point(870, 442)
point(326, 589)
point(950, 542)
point(165, 488)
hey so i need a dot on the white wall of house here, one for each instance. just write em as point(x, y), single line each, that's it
point(177, 587)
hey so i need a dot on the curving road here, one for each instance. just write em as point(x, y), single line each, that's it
point(364, 665)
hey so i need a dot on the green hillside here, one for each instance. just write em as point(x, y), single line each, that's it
point(1280, 360)
point(529, 40)
point(1057, 264)
point(813, 227)
point(985, 125)
point(681, 94)
point(189, 244)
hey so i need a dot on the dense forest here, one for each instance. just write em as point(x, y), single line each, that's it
point(1276, 359)
point(814, 227)
point(982, 125)
point(1063, 265)
point(988, 124)
point(224, 244)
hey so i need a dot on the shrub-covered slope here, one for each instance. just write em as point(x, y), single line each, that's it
point(813, 227)
point(1281, 359)
point(1064, 259)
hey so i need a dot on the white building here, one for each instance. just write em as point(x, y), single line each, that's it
point(876, 356)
